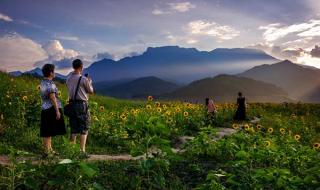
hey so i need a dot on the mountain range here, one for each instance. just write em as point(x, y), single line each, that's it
point(179, 65)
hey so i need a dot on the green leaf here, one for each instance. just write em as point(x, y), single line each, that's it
point(87, 170)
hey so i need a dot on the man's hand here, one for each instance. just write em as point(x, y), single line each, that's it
point(58, 115)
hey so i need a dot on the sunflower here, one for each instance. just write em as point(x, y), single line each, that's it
point(267, 143)
point(111, 113)
point(297, 137)
point(178, 110)
point(188, 105)
point(235, 126)
point(159, 110)
point(246, 127)
point(123, 117)
point(270, 130)
point(282, 130)
point(150, 98)
point(169, 120)
point(39, 87)
point(158, 104)
point(164, 106)
point(258, 126)
point(59, 93)
point(95, 118)
point(101, 108)
point(186, 114)
point(149, 107)
point(316, 145)
point(25, 98)
point(168, 113)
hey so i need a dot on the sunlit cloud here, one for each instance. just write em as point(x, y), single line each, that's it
point(205, 28)
point(5, 18)
point(19, 53)
point(182, 7)
point(276, 31)
point(170, 8)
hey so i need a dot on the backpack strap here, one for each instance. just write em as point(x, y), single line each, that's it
point(77, 89)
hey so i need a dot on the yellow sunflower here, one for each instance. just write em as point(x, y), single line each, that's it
point(159, 110)
point(101, 108)
point(168, 113)
point(149, 107)
point(267, 143)
point(150, 98)
point(316, 146)
point(169, 120)
point(297, 137)
point(235, 126)
point(25, 98)
point(186, 114)
point(39, 87)
point(258, 126)
point(164, 106)
point(158, 104)
point(246, 127)
point(123, 117)
point(282, 131)
point(95, 118)
point(59, 93)
point(178, 110)
point(270, 130)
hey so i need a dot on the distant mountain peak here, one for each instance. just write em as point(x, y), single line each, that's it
point(168, 49)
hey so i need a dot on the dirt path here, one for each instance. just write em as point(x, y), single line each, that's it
point(5, 161)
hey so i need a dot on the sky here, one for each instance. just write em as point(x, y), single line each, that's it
point(35, 32)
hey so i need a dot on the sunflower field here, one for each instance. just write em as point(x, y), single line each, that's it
point(281, 150)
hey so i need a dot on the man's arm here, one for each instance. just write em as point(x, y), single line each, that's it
point(88, 86)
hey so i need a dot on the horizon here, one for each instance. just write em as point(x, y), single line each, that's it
point(32, 34)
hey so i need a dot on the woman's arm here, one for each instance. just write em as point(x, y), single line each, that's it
point(55, 104)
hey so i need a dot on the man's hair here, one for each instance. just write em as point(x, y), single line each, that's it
point(47, 69)
point(77, 63)
point(239, 94)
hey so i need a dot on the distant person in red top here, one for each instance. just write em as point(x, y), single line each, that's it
point(211, 110)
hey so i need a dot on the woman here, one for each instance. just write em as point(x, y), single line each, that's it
point(52, 122)
point(241, 110)
point(211, 110)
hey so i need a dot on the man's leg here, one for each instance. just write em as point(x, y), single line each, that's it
point(73, 138)
point(83, 140)
point(47, 144)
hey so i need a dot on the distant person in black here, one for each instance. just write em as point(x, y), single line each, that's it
point(241, 110)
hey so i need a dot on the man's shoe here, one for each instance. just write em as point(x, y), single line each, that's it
point(84, 155)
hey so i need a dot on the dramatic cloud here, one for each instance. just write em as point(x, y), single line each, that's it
point(5, 18)
point(181, 7)
point(174, 8)
point(315, 52)
point(19, 53)
point(57, 55)
point(204, 28)
point(276, 31)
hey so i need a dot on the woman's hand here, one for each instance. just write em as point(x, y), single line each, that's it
point(58, 115)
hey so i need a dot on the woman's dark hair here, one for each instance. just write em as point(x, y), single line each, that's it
point(47, 69)
point(239, 94)
point(77, 63)
point(207, 101)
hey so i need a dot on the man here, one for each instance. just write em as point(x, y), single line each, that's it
point(80, 123)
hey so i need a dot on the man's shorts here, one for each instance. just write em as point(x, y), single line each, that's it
point(80, 123)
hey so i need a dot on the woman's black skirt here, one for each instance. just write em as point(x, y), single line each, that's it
point(50, 126)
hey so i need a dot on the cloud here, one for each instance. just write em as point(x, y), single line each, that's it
point(213, 29)
point(315, 52)
point(68, 38)
point(5, 18)
point(57, 55)
point(181, 7)
point(173, 8)
point(277, 31)
point(159, 12)
point(19, 53)
point(104, 55)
